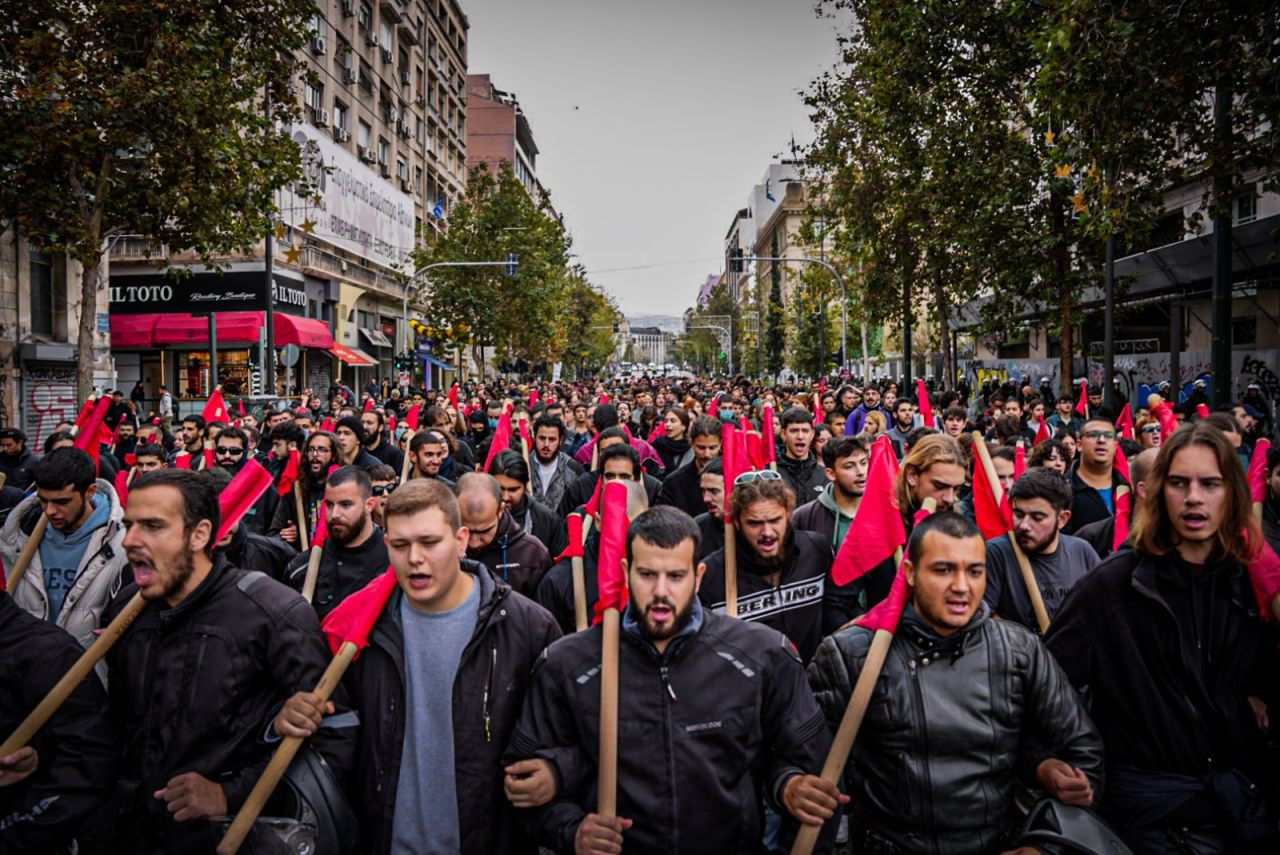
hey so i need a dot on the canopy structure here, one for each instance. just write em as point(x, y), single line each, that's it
point(138, 331)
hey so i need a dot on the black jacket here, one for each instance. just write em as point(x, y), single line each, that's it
point(20, 469)
point(488, 692)
point(387, 453)
point(1099, 534)
point(541, 522)
point(343, 570)
point(250, 551)
point(1168, 658)
point(555, 591)
point(707, 728)
point(194, 687)
point(579, 491)
point(1086, 505)
point(933, 769)
point(712, 535)
point(76, 749)
point(794, 606)
point(806, 478)
point(514, 556)
point(286, 513)
point(683, 489)
point(674, 452)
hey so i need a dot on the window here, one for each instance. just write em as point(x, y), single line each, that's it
point(384, 38)
point(363, 134)
point(1244, 331)
point(341, 116)
point(1246, 207)
point(402, 168)
point(384, 150)
point(366, 76)
point(318, 28)
point(42, 299)
point(366, 17)
point(315, 95)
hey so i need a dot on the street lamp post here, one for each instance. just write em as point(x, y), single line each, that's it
point(421, 271)
point(844, 298)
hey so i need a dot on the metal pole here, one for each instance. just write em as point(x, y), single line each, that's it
point(269, 357)
point(1109, 328)
point(905, 380)
point(1175, 353)
point(844, 298)
point(213, 351)
point(866, 361)
point(1220, 354)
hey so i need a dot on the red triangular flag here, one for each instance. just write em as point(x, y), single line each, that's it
point(216, 409)
point(247, 487)
point(822, 387)
point(770, 438)
point(290, 474)
point(713, 409)
point(1124, 513)
point(533, 398)
point(604, 399)
point(524, 435)
point(612, 582)
point(1264, 575)
point(1121, 462)
point(354, 618)
point(887, 613)
point(733, 455)
point(322, 526)
point(922, 401)
point(329, 424)
point(1168, 422)
point(240, 401)
point(368, 405)
point(593, 504)
point(1082, 405)
point(1020, 461)
point(182, 461)
point(86, 413)
point(210, 460)
point(877, 531)
point(1124, 424)
point(453, 395)
point(501, 438)
point(1257, 473)
point(411, 418)
point(574, 549)
point(659, 430)
point(89, 437)
point(1042, 433)
point(391, 425)
point(993, 521)
point(122, 487)
point(1202, 410)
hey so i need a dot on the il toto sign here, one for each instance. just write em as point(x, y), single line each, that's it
point(202, 293)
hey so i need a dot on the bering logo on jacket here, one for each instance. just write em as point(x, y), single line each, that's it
point(794, 595)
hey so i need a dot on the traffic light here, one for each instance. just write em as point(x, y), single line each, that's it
point(513, 264)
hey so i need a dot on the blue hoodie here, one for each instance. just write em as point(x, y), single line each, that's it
point(61, 554)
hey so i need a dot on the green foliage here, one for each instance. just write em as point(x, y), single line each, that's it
point(118, 116)
point(586, 326)
point(776, 334)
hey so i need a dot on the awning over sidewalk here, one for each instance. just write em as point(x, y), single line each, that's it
point(138, 331)
point(352, 355)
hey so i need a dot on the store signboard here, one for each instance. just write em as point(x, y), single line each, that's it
point(202, 293)
point(349, 204)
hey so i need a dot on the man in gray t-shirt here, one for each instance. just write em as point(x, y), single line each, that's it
point(1041, 501)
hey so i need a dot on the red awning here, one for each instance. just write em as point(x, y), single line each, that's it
point(233, 328)
point(351, 356)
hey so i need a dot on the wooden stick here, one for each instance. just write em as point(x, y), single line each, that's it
point(313, 573)
point(1033, 587)
point(303, 540)
point(404, 468)
point(262, 790)
point(984, 455)
point(4, 476)
point(730, 568)
point(24, 559)
point(62, 690)
point(580, 581)
point(607, 784)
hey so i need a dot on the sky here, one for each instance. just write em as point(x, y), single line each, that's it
point(653, 120)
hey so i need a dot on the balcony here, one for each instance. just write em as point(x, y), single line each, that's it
point(392, 10)
point(136, 248)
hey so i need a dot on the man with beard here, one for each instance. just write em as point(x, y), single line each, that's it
point(493, 538)
point(711, 521)
point(232, 452)
point(439, 690)
point(1041, 501)
point(1178, 664)
point(682, 488)
point(249, 549)
point(351, 451)
point(459, 458)
point(77, 568)
point(1094, 478)
point(193, 444)
point(553, 469)
point(377, 440)
point(274, 419)
point(858, 418)
point(16, 460)
point(530, 516)
point(428, 450)
point(902, 420)
point(781, 572)
point(354, 552)
point(798, 465)
point(830, 515)
point(319, 456)
point(922, 779)
point(126, 442)
point(195, 678)
point(717, 713)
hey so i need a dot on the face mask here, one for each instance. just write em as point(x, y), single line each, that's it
point(493, 423)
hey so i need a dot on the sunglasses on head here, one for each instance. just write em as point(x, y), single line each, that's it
point(383, 489)
point(761, 475)
point(230, 451)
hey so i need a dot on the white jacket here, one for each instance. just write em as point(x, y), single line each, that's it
point(96, 582)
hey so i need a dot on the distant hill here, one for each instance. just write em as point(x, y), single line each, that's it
point(666, 323)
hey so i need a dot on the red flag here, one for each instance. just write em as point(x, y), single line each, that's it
point(733, 454)
point(131, 460)
point(501, 438)
point(122, 486)
point(1164, 414)
point(240, 401)
point(182, 461)
point(1124, 424)
point(770, 439)
point(992, 521)
point(713, 409)
point(353, 619)
point(1121, 463)
point(877, 530)
point(922, 401)
point(1257, 473)
point(751, 441)
point(1202, 410)
point(593, 504)
point(1020, 461)
point(210, 460)
point(612, 583)
point(391, 424)
point(533, 398)
point(574, 549)
point(822, 388)
point(329, 424)
point(659, 429)
point(247, 487)
point(524, 435)
point(216, 409)
point(86, 413)
point(453, 395)
point(322, 527)
point(1082, 406)
point(1124, 514)
point(290, 474)
point(1264, 574)
point(368, 405)
point(1042, 433)
point(604, 399)
point(411, 418)
point(887, 614)
point(90, 437)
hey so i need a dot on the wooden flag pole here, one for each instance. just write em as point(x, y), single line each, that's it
point(266, 785)
point(24, 560)
point(607, 785)
point(313, 572)
point(303, 540)
point(854, 713)
point(730, 568)
point(62, 690)
point(580, 581)
point(404, 468)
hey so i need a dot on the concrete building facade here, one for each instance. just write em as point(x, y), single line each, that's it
point(498, 131)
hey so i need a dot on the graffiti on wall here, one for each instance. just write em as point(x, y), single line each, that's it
point(979, 371)
point(1139, 376)
point(48, 397)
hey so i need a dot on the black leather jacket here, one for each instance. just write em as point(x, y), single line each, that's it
point(936, 760)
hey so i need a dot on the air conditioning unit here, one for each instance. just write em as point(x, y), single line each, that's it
point(371, 39)
point(420, 100)
point(387, 56)
point(405, 185)
point(385, 169)
point(320, 116)
point(341, 134)
point(349, 75)
point(404, 78)
point(348, 8)
point(367, 155)
point(318, 47)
